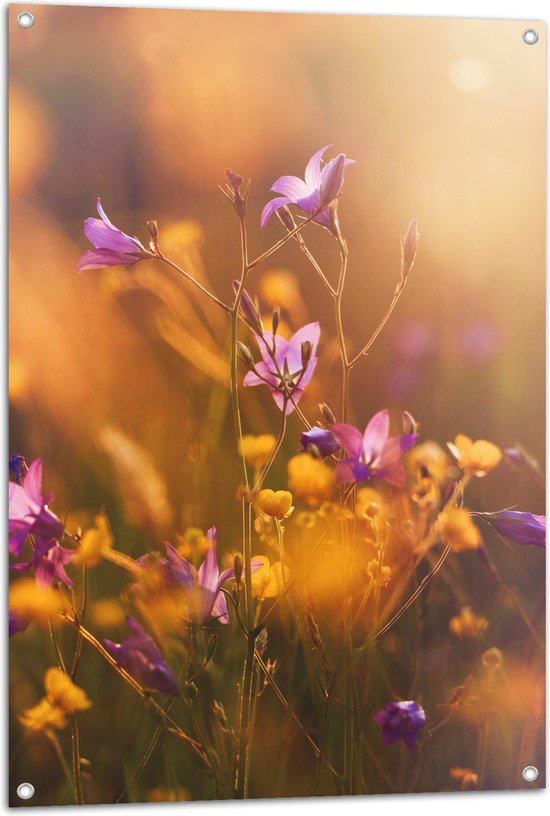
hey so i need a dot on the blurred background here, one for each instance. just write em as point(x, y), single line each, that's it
point(118, 378)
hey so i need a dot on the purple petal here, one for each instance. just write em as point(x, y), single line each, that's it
point(182, 570)
point(270, 208)
point(393, 473)
point(349, 471)
point(394, 448)
point(209, 572)
point(32, 483)
point(310, 203)
point(219, 610)
point(376, 435)
point(104, 237)
point(292, 187)
point(100, 258)
point(293, 352)
point(313, 169)
point(349, 438)
point(265, 344)
point(251, 378)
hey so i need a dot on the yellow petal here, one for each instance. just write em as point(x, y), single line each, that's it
point(62, 692)
point(43, 716)
point(94, 542)
point(457, 527)
point(275, 503)
point(278, 579)
point(31, 601)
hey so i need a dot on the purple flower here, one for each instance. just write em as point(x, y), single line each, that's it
point(203, 588)
point(293, 368)
point(139, 655)
point(49, 565)
point(523, 528)
point(17, 623)
point(372, 453)
point(321, 439)
point(314, 195)
point(29, 513)
point(400, 721)
point(112, 246)
point(17, 465)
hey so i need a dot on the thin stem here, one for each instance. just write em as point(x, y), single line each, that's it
point(195, 282)
point(75, 744)
point(281, 242)
point(397, 294)
point(274, 452)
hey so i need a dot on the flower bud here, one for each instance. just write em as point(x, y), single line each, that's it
point(275, 319)
point(238, 567)
point(245, 355)
point(307, 350)
point(249, 310)
point(285, 217)
point(327, 413)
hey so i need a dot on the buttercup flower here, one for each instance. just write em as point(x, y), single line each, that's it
point(372, 453)
point(112, 246)
point(270, 580)
point(293, 367)
point(275, 503)
point(319, 439)
point(203, 588)
point(456, 527)
point(467, 624)
point(29, 513)
point(310, 479)
point(257, 449)
point(62, 698)
point(139, 655)
point(27, 600)
point(477, 457)
point(314, 195)
point(94, 543)
point(400, 721)
point(523, 528)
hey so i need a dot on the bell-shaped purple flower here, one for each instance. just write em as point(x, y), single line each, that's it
point(17, 623)
point(292, 369)
point(523, 528)
point(29, 513)
point(401, 720)
point(372, 453)
point(319, 440)
point(203, 587)
point(139, 655)
point(112, 246)
point(315, 194)
point(49, 565)
point(17, 467)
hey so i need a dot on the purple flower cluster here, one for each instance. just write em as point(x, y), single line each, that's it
point(401, 720)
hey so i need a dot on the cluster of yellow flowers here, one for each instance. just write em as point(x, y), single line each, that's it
point(62, 698)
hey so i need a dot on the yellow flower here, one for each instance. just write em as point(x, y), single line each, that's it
point(457, 527)
point(31, 601)
point(279, 287)
point(277, 504)
point(475, 457)
point(468, 779)
point(432, 458)
point(192, 544)
point(180, 794)
point(43, 716)
point(311, 479)
point(62, 692)
point(384, 577)
point(270, 580)
point(107, 613)
point(257, 449)
point(467, 624)
point(94, 542)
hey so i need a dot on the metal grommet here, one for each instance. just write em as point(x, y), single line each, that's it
point(530, 773)
point(25, 19)
point(25, 790)
point(530, 36)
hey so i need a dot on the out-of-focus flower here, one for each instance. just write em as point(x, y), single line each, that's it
point(62, 698)
point(523, 528)
point(310, 479)
point(62, 692)
point(372, 453)
point(28, 600)
point(49, 566)
point(29, 513)
point(112, 246)
point(279, 287)
point(270, 579)
point(17, 623)
point(467, 624)
point(401, 720)
point(457, 528)
point(139, 655)
point(319, 440)
point(107, 613)
point(430, 458)
point(314, 195)
point(381, 575)
point(94, 542)
point(468, 779)
point(17, 466)
point(192, 543)
point(275, 503)
point(181, 794)
point(290, 369)
point(203, 587)
point(477, 457)
point(43, 717)
point(257, 449)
